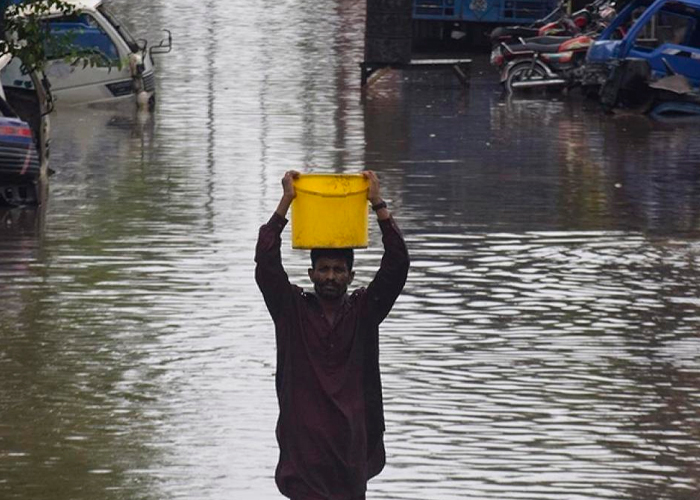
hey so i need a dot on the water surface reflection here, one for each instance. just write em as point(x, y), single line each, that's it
point(545, 347)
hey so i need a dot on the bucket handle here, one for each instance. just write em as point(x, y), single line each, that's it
point(328, 195)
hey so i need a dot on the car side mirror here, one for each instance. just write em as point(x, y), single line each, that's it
point(165, 45)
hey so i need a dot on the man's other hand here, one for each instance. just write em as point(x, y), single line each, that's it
point(373, 193)
point(288, 184)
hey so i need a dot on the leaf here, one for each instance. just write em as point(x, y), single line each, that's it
point(26, 36)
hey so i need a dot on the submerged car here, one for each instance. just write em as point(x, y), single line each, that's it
point(20, 166)
point(661, 38)
point(24, 136)
point(122, 68)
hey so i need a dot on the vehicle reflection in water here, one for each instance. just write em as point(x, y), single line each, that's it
point(21, 231)
point(576, 167)
point(546, 343)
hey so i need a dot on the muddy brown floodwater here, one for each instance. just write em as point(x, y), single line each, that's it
point(546, 345)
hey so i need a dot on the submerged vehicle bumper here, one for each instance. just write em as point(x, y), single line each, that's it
point(19, 159)
point(101, 97)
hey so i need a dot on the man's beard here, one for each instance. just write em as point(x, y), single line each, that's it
point(329, 291)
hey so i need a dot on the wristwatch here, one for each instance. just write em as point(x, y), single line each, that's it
point(379, 206)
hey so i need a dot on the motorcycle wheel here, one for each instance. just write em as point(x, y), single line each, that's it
point(522, 72)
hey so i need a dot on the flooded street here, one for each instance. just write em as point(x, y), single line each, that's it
point(547, 342)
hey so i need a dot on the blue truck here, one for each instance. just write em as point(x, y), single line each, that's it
point(472, 19)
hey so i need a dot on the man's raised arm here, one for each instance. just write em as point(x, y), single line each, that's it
point(269, 272)
point(387, 284)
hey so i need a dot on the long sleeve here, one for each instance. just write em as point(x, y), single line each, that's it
point(269, 272)
point(387, 284)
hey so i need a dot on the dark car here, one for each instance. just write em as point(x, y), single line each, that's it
point(24, 132)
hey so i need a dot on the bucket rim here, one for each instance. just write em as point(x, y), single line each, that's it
point(331, 195)
point(344, 247)
point(325, 174)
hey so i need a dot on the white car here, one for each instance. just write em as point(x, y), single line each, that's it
point(123, 68)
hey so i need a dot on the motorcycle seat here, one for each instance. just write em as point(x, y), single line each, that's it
point(548, 40)
point(543, 48)
point(511, 32)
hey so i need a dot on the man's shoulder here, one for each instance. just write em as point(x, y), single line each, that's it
point(294, 292)
point(358, 294)
point(300, 297)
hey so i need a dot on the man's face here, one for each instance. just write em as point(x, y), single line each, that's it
point(331, 277)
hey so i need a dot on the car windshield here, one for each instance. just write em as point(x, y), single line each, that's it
point(80, 32)
point(123, 31)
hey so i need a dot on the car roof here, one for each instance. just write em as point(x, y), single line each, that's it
point(77, 4)
point(84, 4)
point(90, 4)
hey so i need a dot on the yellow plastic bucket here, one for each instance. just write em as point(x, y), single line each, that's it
point(330, 211)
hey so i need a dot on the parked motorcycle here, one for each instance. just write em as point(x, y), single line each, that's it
point(546, 62)
point(557, 23)
point(505, 34)
point(552, 61)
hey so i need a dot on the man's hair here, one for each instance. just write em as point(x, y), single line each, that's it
point(346, 254)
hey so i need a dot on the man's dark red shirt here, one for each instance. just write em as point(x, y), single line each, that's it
point(331, 423)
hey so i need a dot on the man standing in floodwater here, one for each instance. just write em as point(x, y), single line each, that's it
point(331, 422)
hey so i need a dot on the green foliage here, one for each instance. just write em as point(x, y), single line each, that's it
point(25, 35)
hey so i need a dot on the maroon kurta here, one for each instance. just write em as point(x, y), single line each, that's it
point(329, 391)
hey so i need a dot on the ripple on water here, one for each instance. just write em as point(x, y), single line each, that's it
point(549, 395)
point(541, 349)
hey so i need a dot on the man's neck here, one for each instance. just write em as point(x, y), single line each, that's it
point(330, 307)
point(331, 304)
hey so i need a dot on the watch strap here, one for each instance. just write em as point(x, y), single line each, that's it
point(379, 206)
